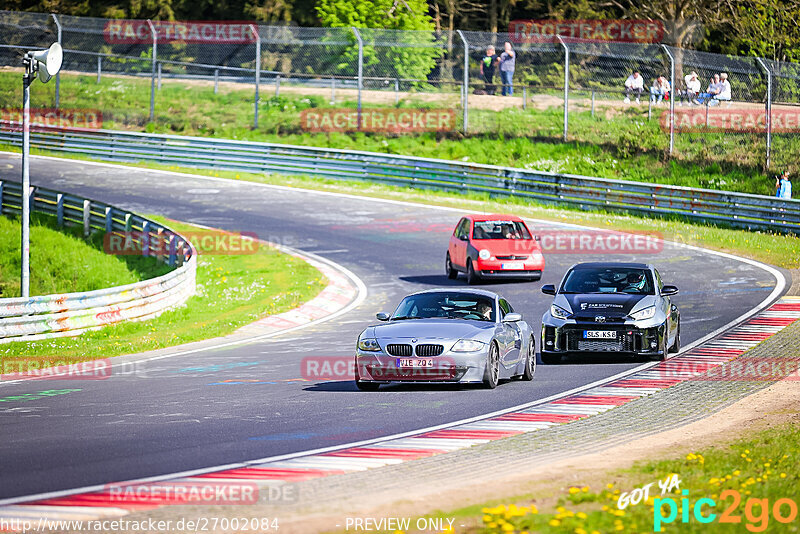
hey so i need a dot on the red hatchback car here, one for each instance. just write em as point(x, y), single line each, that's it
point(493, 246)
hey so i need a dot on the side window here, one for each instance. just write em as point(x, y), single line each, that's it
point(505, 308)
point(658, 281)
point(463, 229)
point(459, 228)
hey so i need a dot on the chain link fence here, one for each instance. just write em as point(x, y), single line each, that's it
point(139, 72)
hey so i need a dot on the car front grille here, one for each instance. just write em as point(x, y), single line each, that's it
point(429, 350)
point(400, 349)
point(512, 257)
point(623, 343)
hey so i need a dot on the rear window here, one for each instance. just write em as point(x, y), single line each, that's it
point(500, 230)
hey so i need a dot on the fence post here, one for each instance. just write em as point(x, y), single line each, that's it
point(258, 74)
point(360, 71)
point(333, 90)
point(767, 110)
point(671, 98)
point(216, 81)
point(60, 209)
point(87, 217)
point(524, 98)
point(592, 103)
point(99, 67)
point(566, 85)
point(153, 71)
point(465, 83)
point(278, 85)
point(58, 74)
point(109, 219)
point(159, 75)
point(396, 91)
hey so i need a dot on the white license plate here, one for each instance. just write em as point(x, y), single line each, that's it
point(600, 334)
point(513, 266)
point(412, 362)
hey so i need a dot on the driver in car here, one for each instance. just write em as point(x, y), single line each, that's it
point(485, 311)
point(635, 282)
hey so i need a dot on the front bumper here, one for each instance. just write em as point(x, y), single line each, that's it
point(493, 268)
point(467, 367)
point(568, 338)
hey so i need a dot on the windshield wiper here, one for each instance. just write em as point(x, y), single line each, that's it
point(402, 317)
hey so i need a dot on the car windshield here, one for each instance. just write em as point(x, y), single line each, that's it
point(446, 306)
point(632, 280)
point(500, 230)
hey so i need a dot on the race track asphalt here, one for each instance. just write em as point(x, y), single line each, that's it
point(247, 402)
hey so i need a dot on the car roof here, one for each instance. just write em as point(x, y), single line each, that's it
point(493, 217)
point(611, 264)
point(465, 290)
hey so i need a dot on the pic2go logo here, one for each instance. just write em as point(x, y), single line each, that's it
point(756, 511)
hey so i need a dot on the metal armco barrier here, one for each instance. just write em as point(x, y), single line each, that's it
point(754, 212)
point(48, 316)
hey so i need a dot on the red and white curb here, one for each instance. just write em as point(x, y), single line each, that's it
point(378, 453)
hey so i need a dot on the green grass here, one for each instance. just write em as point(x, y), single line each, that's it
point(232, 291)
point(62, 261)
point(760, 466)
point(619, 144)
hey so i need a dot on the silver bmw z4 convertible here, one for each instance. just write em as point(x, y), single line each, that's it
point(446, 335)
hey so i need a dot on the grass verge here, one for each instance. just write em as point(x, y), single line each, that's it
point(619, 143)
point(232, 291)
point(62, 261)
point(745, 479)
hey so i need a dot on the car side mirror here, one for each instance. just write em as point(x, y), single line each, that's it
point(464, 238)
point(512, 317)
point(668, 291)
point(549, 289)
point(537, 237)
point(382, 316)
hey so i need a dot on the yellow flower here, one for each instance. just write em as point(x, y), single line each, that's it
point(579, 530)
point(508, 527)
point(585, 489)
point(783, 475)
point(554, 522)
point(581, 515)
point(610, 485)
point(737, 473)
point(573, 490)
point(487, 519)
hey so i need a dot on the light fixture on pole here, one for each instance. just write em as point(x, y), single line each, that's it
point(45, 63)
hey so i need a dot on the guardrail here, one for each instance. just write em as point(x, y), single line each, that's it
point(48, 316)
point(754, 212)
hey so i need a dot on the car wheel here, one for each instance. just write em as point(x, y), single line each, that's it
point(452, 274)
point(491, 375)
point(663, 356)
point(676, 345)
point(530, 361)
point(472, 276)
point(550, 359)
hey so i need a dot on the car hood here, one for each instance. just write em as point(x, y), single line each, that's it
point(432, 328)
point(603, 304)
point(507, 247)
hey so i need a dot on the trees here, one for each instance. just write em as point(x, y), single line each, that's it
point(409, 54)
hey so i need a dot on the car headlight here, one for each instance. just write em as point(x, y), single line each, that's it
point(646, 313)
point(468, 345)
point(369, 344)
point(484, 254)
point(559, 312)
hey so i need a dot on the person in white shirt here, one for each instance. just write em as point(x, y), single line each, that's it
point(724, 90)
point(692, 88)
point(634, 85)
point(712, 90)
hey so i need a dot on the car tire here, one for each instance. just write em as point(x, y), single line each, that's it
point(664, 349)
point(452, 274)
point(472, 276)
point(550, 359)
point(676, 345)
point(530, 362)
point(491, 376)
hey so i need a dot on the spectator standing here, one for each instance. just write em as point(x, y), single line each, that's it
point(634, 85)
point(488, 63)
point(507, 63)
point(783, 186)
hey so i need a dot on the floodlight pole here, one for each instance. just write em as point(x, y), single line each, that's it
point(27, 78)
point(58, 75)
